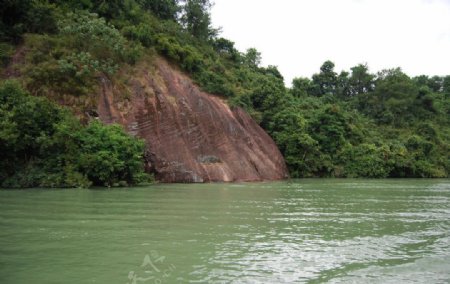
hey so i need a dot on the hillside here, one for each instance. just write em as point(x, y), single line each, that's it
point(347, 124)
point(191, 136)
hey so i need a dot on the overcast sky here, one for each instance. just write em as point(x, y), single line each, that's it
point(299, 35)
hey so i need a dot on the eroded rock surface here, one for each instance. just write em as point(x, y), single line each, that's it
point(191, 136)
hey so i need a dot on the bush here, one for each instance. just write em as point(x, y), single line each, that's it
point(365, 160)
point(108, 155)
point(42, 145)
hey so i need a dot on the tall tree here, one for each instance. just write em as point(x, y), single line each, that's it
point(164, 9)
point(361, 81)
point(325, 82)
point(342, 84)
point(196, 18)
point(226, 49)
point(252, 58)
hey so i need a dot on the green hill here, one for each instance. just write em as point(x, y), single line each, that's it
point(351, 124)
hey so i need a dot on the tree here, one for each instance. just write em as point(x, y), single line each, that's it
point(330, 129)
point(108, 155)
point(90, 33)
point(272, 70)
point(342, 85)
point(164, 9)
point(12, 18)
point(252, 58)
point(446, 86)
point(360, 81)
point(300, 87)
point(325, 83)
point(226, 48)
point(435, 83)
point(392, 99)
point(365, 160)
point(20, 16)
point(268, 93)
point(301, 152)
point(196, 18)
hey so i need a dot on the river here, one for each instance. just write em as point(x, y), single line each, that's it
point(299, 231)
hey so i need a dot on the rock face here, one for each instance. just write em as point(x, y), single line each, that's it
point(191, 136)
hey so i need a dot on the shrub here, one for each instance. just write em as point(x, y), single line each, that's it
point(44, 145)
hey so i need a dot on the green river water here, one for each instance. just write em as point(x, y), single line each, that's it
point(299, 231)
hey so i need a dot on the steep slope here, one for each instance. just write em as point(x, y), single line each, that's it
point(191, 136)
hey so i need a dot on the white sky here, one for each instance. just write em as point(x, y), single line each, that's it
point(299, 35)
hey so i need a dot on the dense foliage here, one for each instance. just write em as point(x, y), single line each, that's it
point(357, 124)
point(347, 124)
point(43, 145)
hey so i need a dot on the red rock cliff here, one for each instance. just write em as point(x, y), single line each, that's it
point(191, 136)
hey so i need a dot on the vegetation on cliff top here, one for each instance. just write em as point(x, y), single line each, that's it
point(347, 124)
